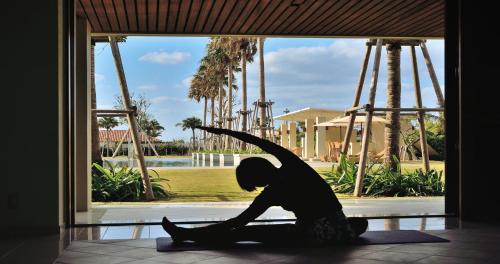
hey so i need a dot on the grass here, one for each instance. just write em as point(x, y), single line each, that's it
point(219, 185)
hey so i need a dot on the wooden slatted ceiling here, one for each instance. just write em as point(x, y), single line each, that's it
point(350, 18)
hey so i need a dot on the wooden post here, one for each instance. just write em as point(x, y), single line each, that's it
point(432, 73)
point(120, 143)
point(357, 97)
point(152, 146)
point(420, 114)
point(368, 122)
point(132, 121)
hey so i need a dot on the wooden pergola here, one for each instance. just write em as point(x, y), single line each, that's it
point(291, 18)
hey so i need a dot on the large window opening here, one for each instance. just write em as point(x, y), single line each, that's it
point(309, 84)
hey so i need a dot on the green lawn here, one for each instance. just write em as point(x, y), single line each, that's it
point(219, 185)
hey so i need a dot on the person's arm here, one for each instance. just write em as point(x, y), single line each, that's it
point(266, 145)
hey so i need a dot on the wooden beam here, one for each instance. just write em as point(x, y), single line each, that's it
point(432, 73)
point(420, 114)
point(132, 121)
point(357, 97)
point(407, 109)
point(358, 189)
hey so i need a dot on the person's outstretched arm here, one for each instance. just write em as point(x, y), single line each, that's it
point(258, 207)
point(279, 152)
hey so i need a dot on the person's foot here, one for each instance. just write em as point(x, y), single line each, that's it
point(174, 231)
point(358, 224)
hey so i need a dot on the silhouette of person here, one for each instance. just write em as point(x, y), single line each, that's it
point(294, 186)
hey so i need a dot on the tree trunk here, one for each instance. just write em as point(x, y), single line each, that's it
point(96, 154)
point(205, 119)
point(230, 104)
point(221, 87)
point(212, 111)
point(244, 98)
point(393, 126)
point(194, 142)
point(262, 90)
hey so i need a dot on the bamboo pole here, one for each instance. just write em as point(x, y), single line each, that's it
point(420, 114)
point(120, 143)
point(432, 73)
point(132, 121)
point(357, 97)
point(368, 122)
point(152, 146)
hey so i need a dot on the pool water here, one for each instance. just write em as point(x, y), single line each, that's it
point(161, 162)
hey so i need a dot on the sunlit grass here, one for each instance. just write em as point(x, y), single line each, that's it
point(219, 184)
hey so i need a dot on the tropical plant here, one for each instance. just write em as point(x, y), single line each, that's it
point(391, 135)
point(107, 123)
point(343, 177)
point(247, 50)
point(190, 123)
point(153, 129)
point(385, 181)
point(123, 184)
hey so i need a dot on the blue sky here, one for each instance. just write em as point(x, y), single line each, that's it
point(299, 73)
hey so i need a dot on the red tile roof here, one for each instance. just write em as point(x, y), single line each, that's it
point(117, 135)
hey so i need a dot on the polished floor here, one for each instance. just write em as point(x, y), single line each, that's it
point(470, 243)
point(216, 211)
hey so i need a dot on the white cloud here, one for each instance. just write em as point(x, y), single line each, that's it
point(148, 87)
point(99, 77)
point(162, 57)
point(162, 99)
point(326, 76)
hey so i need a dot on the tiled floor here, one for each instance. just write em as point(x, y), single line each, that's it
point(470, 243)
point(217, 211)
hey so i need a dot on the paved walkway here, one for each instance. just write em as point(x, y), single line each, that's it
point(223, 210)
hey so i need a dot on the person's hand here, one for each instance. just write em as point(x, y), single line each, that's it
point(212, 130)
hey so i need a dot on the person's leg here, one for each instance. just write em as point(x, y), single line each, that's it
point(358, 225)
point(272, 234)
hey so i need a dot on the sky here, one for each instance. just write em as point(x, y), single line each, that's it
point(314, 72)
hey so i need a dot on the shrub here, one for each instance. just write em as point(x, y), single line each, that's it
point(343, 177)
point(122, 184)
point(382, 181)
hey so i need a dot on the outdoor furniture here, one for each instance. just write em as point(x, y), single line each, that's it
point(297, 151)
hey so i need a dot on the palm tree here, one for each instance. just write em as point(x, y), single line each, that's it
point(152, 129)
point(190, 123)
point(262, 90)
point(248, 49)
point(108, 123)
point(393, 127)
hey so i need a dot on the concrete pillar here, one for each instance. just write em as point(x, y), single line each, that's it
point(309, 139)
point(292, 136)
point(82, 139)
point(284, 135)
point(320, 148)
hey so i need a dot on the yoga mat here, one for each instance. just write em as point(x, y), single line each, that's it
point(165, 244)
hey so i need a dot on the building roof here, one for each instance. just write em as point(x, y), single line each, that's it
point(344, 121)
point(313, 18)
point(309, 113)
point(117, 135)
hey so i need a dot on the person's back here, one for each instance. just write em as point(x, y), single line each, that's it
point(295, 186)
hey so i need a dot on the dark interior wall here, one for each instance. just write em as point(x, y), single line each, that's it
point(479, 77)
point(31, 121)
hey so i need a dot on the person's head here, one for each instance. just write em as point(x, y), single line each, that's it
point(255, 172)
